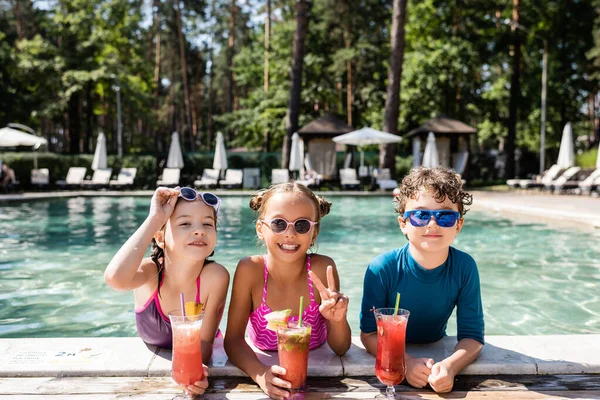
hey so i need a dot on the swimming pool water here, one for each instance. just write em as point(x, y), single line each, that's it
point(535, 279)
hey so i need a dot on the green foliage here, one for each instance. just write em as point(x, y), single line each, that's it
point(587, 159)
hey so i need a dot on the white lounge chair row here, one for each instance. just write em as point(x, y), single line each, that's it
point(560, 180)
point(383, 178)
point(40, 178)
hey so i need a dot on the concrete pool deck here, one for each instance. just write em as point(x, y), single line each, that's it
point(111, 366)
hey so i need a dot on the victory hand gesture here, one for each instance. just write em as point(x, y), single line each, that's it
point(163, 203)
point(334, 305)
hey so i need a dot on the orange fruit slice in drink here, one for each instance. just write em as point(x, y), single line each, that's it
point(277, 318)
point(193, 308)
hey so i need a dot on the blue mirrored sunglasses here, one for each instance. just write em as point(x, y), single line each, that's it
point(209, 199)
point(420, 218)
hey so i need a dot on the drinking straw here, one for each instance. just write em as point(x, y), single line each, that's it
point(397, 303)
point(300, 313)
point(182, 304)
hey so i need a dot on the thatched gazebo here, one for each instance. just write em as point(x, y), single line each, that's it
point(317, 137)
point(452, 141)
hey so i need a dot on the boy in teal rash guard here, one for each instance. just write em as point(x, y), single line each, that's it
point(431, 277)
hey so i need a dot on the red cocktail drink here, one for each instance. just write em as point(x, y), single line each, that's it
point(187, 349)
point(390, 366)
point(293, 344)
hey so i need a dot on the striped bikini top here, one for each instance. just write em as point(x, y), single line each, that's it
point(265, 339)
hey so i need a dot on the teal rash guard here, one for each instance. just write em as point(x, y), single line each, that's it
point(429, 295)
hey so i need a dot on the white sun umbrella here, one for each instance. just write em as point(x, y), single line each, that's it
point(220, 160)
point(566, 154)
point(366, 136)
point(296, 157)
point(175, 157)
point(99, 161)
point(10, 137)
point(430, 155)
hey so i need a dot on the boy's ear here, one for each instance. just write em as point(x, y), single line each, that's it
point(402, 223)
point(160, 239)
point(459, 225)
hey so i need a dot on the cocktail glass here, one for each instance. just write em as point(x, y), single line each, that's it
point(293, 344)
point(187, 367)
point(390, 366)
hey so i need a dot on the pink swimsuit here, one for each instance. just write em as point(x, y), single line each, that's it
point(265, 339)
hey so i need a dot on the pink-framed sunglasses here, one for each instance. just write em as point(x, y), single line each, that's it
point(279, 225)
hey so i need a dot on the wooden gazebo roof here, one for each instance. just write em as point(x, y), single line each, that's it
point(326, 126)
point(443, 126)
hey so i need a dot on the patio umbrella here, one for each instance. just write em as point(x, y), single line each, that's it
point(430, 155)
point(175, 158)
point(366, 136)
point(10, 137)
point(99, 161)
point(296, 157)
point(416, 152)
point(566, 154)
point(220, 160)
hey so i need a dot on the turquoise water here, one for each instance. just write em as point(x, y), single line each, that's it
point(535, 279)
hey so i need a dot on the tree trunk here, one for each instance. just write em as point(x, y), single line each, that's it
point(211, 100)
point(73, 124)
point(514, 101)
point(186, 91)
point(267, 136)
point(157, 83)
point(291, 123)
point(89, 115)
point(230, 54)
point(348, 78)
point(18, 19)
point(387, 153)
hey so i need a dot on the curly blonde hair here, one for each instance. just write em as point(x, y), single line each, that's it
point(258, 201)
point(443, 182)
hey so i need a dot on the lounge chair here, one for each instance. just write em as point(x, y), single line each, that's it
point(572, 184)
point(251, 178)
point(40, 178)
point(281, 175)
point(124, 179)
point(100, 179)
point(384, 180)
point(74, 178)
point(209, 178)
point(562, 179)
point(310, 177)
point(551, 174)
point(348, 178)
point(590, 183)
point(233, 178)
point(169, 177)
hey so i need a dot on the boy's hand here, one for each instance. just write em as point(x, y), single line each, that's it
point(441, 379)
point(272, 384)
point(418, 371)
point(334, 305)
point(199, 386)
point(163, 203)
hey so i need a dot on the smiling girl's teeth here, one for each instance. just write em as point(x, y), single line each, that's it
point(289, 246)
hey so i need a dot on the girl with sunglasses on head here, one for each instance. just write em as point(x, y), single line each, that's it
point(288, 222)
point(431, 276)
point(182, 229)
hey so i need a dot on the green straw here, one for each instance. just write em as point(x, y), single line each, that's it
point(397, 304)
point(300, 313)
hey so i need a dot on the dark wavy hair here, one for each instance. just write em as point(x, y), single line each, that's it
point(442, 182)
point(258, 201)
point(158, 254)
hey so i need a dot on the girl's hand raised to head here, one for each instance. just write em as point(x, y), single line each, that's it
point(163, 203)
point(334, 305)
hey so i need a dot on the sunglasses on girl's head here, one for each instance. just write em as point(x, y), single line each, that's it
point(279, 225)
point(421, 218)
point(209, 199)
